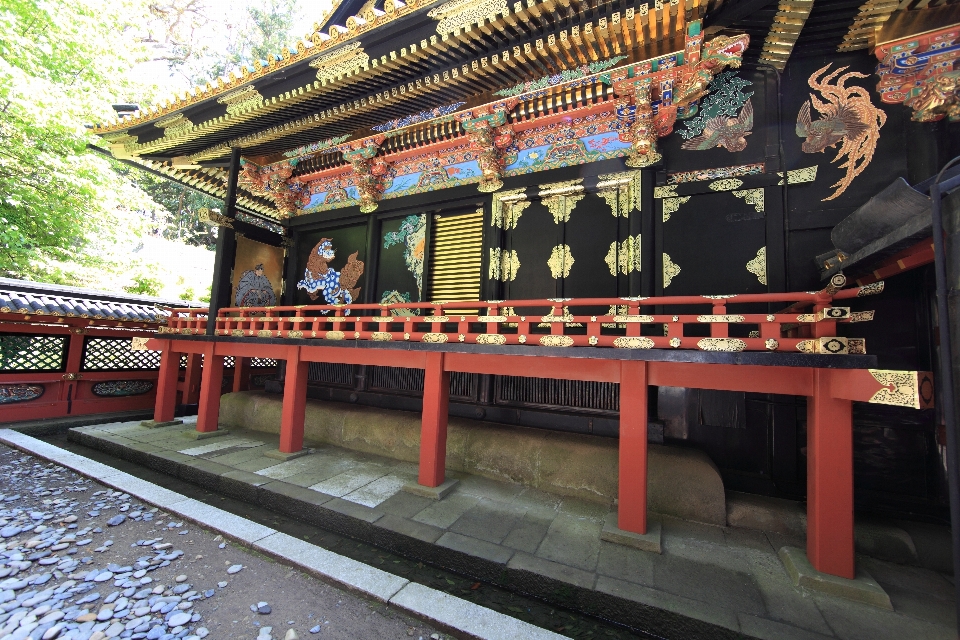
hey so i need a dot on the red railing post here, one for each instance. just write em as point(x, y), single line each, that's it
point(241, 374)
point(167, 384)
point(830, 545)
point(211, 381)
point(632, 507)
point(433, 429)
point(191, 379)
point(294, 402)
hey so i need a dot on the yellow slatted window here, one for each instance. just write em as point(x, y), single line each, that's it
point(456, 249)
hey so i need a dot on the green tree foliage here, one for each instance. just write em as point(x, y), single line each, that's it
point(177, 217)
point(145, 286)
point(64, 211)
point(201, 44)
point(60, 63)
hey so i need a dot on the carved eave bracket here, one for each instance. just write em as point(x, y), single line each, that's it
point(651, 98)
point(922, 72)
point(491, 137)
point(368, 170)
point(273, 182)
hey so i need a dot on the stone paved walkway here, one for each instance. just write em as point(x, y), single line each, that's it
point(725, 576)
point(81, 561)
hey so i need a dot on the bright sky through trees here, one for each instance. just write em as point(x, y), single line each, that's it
point(74, 217)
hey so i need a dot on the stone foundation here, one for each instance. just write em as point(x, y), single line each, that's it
point(683, 483)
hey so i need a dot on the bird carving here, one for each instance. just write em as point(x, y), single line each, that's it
point(724, 131)
point(847, 118)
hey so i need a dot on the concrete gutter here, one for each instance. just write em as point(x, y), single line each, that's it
point(459, 616)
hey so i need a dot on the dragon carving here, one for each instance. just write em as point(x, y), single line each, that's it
point(847, 118)
point(337, 287)
point(642, 87)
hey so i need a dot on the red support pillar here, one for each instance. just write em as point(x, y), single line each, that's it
point(830, 546)
point(70, 384)
point(433, 430)
point(632, 502)
point(294, 403)
point(241, 374)
point(191, 379)
point(208, 413)
point(167, 384)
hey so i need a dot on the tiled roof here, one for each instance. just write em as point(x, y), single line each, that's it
point(18, 296)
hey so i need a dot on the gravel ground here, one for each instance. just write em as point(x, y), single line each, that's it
point(80, 561)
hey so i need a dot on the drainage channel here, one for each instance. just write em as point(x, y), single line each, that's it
point(563, 621)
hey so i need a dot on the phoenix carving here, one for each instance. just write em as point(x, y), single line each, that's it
point(724, 131)
point(847, 118)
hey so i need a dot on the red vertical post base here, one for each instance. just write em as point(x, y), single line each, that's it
point(167, 384)
point(191, 378)
point(632, 499)
point(294, 403)
point(208, 413)
point(241, 374)
point(433, 429)
point(830, 545)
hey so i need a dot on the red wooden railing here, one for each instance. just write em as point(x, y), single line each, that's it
point(807, 324)
point(496, 322)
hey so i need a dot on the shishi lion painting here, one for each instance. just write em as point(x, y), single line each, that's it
point(336, 287)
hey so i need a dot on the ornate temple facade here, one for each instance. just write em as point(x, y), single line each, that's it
point(650, 178)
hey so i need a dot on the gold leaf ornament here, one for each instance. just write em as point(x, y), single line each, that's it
point(670, 270)
point(758, 265)
point(672, 205)
point(241, 100)
point(460, 14)
point(901, 388)
point(726, 184)
point(504, 264)
point(624, 257)
point(621, 192)
point(751, 196)
point(342, 62)
point(507, 208)
point(561, 198)
point(560, 262)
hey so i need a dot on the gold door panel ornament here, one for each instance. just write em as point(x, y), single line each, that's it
point(556, 341)
point(672, 205)
point(751, 196)
point(504, 264)
point(561, 198)
point(903, 388)
point(666, 191)
point(621, 191)
point(797, 176)
point(624, 257)
point(435, 338)
point(507, 208)
point(670, 270)
point(491, 339)
point(758, 265)
point(560, 261)
point(726, 184)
